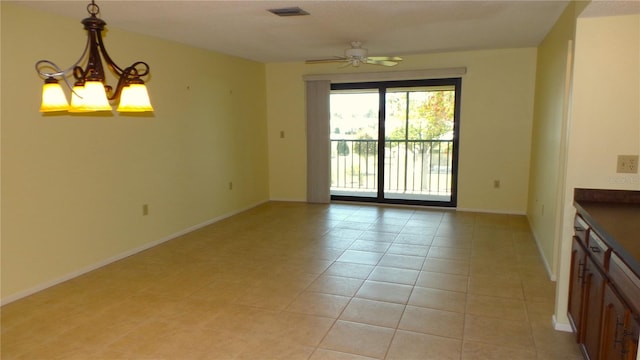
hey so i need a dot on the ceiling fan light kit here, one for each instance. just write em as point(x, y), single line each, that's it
point(89, 92)
point(356, 50)
point(356, 55)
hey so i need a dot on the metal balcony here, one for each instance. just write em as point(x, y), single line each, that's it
point(413, 169)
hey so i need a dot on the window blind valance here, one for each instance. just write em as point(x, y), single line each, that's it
point(388, 75)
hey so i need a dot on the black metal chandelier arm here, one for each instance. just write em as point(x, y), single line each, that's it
point(60, 72)
point(103, 50)
point(134, 72)
point(116, 94)
point(130, 75)
point(78, 74)
point(130, 72)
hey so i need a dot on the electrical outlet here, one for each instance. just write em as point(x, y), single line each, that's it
point(230, 185)
point(145, 209)
point(282, 134)
point(496, 184)
point(627, 164)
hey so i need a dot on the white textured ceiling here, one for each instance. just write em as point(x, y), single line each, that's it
point(246, 29)
point(611, 8)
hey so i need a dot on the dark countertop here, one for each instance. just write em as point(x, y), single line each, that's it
point(615, 216)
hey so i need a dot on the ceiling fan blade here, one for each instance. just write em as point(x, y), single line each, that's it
point(385, 58)
point(325, 61)
point(382, 62)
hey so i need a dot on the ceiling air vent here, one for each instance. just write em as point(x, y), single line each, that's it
point(291, 11)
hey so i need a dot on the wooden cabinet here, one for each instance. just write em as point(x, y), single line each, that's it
point(619, 328)
point(604, 298)
point(592, 303)
point(631, 339)
point(578, 259)
point(577, 281)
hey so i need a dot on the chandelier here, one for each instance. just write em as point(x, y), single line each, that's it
point(90, 92)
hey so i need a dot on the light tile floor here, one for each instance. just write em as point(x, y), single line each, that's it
point(301, 281)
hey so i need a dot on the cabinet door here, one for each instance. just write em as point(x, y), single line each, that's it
point(592, 312)
point(614, 317)
point(578, 258)
point(631, 339)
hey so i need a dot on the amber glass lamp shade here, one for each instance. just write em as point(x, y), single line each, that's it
point(77, 99)
point(94, 97)
point(53, 98)
point(134, 98)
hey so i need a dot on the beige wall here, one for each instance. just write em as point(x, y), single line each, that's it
point(73, 186)
point(496, 118)
point(549, 133)
point(604, 120)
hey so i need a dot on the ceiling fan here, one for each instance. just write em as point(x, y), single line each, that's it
point(356, 55)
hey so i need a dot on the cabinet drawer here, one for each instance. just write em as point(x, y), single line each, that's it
point(598, 250)
point(581, 229)
point(625, 281)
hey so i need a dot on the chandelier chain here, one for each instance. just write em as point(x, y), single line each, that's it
point(93, 9)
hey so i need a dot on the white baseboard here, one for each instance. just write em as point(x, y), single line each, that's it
point(501, 212)
point(120, 256)
point(566, 327)
point(288, 200)
point(550, 273)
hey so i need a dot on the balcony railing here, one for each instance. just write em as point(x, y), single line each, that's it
point(412, 168)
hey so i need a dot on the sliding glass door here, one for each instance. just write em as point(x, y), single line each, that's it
point(354, 142)
point(395, 142)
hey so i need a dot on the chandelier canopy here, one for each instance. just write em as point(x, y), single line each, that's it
point(90, 92)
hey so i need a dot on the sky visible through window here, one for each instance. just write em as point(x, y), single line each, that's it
point(353, 113)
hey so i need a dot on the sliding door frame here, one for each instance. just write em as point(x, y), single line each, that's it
point(382, 87)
